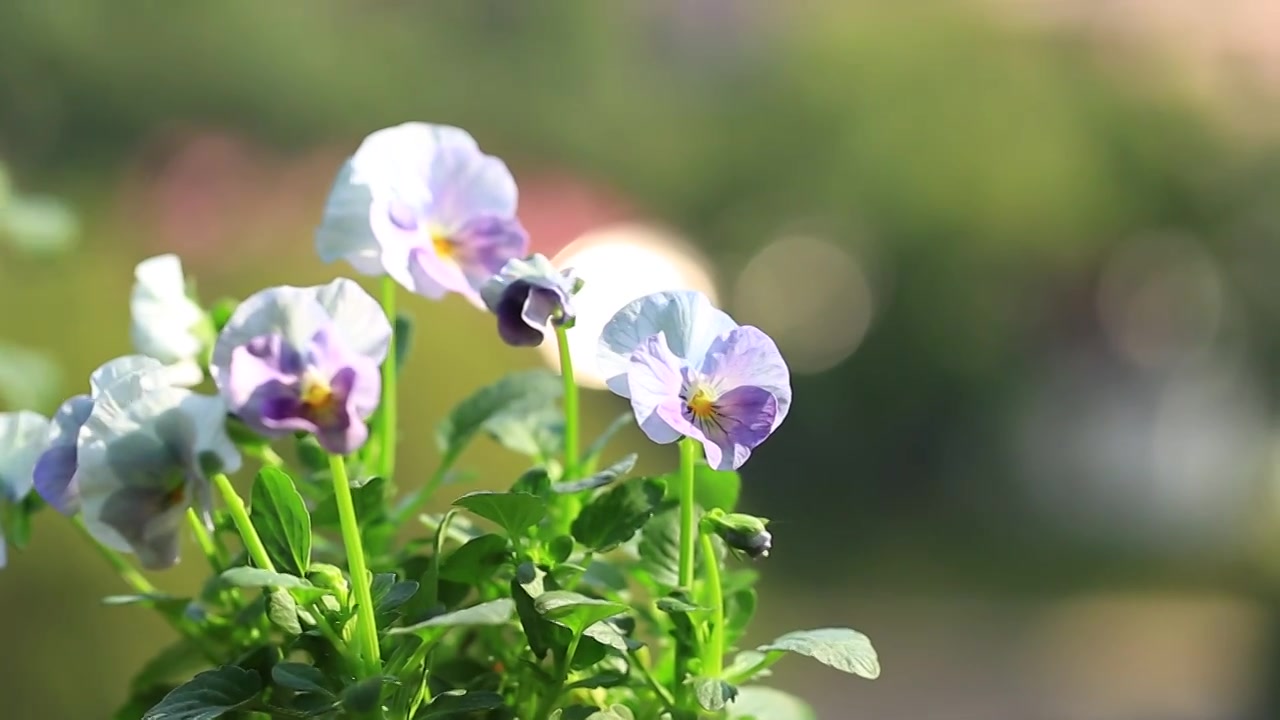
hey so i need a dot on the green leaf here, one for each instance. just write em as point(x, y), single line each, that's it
point(841, 648)
point(607, 679)
point(560, 548)
point(515, 512)
point(592, 454)
point(746, 665)
point(716, 488)
point(368, 499)
point(282, 610)
point(477, 560)
point(176, 660)
point(600, 479)
point(606, 633)
point(300, 677)
point(250, 577)
point(659, 549)
point(614, 712)
point(674, 604)
point(469, 417)
point(534, 429)
point(363, 697)
point(209, 695)
point(280, 517)
point(575, 611)
point(614, 517)
point(713, 693)
point(526, 587)
point(756, 702)
point(494, 612)
point(460, 702)
point(165, 604)
point(395, 596)
point(534, 481)
point(739, 608)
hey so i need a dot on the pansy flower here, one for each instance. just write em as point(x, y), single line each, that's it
point(526, 295)
point(305, 359)
point(166, 322)
point(55, 471)
point(22, 437)
point(143, 457)
point(423, 204)
point(691, 371)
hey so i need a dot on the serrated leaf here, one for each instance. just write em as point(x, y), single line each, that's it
point(494, 612)
point(599, 479)
point(280, 517)
point(209, 695)
point(713, 693)
point(477, 560)
point(469, 417)
point(616, 516)
point(300, 677)
point(515, 512)
point(756, 702)
point(575, 611)
point(841, 648)
point(460, 702)
point(608, 634)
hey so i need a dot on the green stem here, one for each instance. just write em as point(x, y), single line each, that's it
point(551, 699)
point(387, 456)
point(366, 625)
point(271, 458)
point(571, 453)
point(745, 675)
point(248, 535)
point(127, 572)
point(663, 694)
point(205, 541)
point(688, 456)
point(713, 652)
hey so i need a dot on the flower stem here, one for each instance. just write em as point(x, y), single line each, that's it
point(571, 416)
point(688, 456)
point(205, 540)
point(366, 625)
point(127, 572)
point(248, 535)
point(387, 456)
point(713, 652)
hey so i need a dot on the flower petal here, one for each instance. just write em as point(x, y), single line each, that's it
point(54, 472)
point(358, 318)
point(483, 245)
point(687, 318)
point(466, 184)
point(743, 419)
point(148, 521)
point(112, 371)
point(399, 158)
point(747, 357)
point(164, 318)
point(654, 375)
point(22, 439)
point(345, 232)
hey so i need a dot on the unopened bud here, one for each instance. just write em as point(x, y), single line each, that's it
point(744, 533)
point(329, 578)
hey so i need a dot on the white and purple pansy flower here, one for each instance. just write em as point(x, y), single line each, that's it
point(144, 455)
point(305, 359)
point(690, 370)
point(526, 296)
point(166, 323)
point(22, 438)
point(55, 471)
point(423, 204)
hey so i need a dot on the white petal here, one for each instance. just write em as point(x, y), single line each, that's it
point(23, 437)
point(112, 371)
point(398, 159)
point(164, 319)
point(359, 317)
point(208, 415)
point(687, 318)
point(345, 232)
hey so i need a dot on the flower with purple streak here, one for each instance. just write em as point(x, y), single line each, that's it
point(691, 371)
point(22, 436)
point(305, 359)
point(423, 204)
point(143, 456)
point(526, 295)
point(55, 471)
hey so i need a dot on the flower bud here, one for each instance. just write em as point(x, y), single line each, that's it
point(744, 533)
point(329, 578)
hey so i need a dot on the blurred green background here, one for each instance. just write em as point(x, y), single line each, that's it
point(1021, 254)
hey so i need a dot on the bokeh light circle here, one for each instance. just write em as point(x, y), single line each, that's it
point(619, 263)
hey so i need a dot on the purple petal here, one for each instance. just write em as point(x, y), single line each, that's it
point(745, 356)
point(513, 328)
point(741, 419)
point(655, 377)
point(433, 276)
point(54, 473)
point(484, 244)
point(465, 183)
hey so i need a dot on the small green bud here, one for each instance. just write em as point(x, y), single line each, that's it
point(329, 578)
point(744, 533)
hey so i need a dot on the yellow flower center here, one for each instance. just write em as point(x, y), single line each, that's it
point(442, 245)
point(700, 405)
point(317, 397)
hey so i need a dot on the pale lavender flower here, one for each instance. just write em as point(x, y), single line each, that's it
point(423, 204)
point(526, 295)
point(305, 359)
point(691, 371)
point(165, 322)
point(22, 436)
point(55, 471)
point(143, 457)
